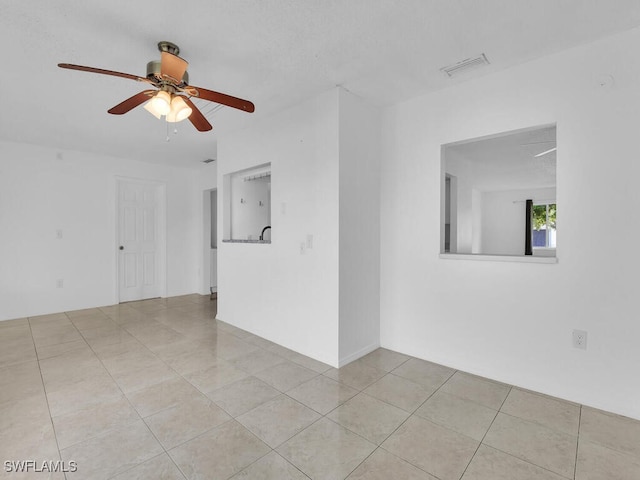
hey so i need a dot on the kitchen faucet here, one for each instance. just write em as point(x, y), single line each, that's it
point(263, 230)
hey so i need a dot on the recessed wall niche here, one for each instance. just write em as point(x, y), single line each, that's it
point(247, 205)
point(499, 194)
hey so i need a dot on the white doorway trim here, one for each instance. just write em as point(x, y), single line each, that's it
point(161, 191)
point(209, 255)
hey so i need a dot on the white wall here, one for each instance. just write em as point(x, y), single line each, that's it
point(503, 219)
point(275, 290)
point(480, 316)
point(359, 225)
point(43, 190)
point(320, 300)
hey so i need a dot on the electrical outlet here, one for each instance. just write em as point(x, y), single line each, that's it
point(60, 283)
point(309, 241)
point(58, 234)
point(580, 339)
point(302, 248)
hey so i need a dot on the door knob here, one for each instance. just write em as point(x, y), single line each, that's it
point(121, 247)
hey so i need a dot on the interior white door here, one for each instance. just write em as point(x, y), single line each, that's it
point(138, 210)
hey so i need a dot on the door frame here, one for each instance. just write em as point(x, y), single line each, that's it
point(205, 281)
point(161, 190)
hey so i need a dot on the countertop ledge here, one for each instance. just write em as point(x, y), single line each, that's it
point(246, 241)
point(498, 258)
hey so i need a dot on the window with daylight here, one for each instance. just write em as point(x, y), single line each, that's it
point(544, 226)
point(498, 195)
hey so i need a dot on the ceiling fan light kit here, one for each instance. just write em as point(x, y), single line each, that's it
point(161, 103)
point(149, 108)
point(172, 100)
point(179, 110)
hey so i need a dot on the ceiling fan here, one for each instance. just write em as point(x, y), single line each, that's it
point(172, 97)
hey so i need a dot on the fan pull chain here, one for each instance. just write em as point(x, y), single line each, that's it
point(175, 131)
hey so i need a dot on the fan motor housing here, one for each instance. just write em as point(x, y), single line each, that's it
point(153, 72)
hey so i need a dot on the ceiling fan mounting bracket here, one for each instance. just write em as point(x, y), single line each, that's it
point(167, 87)
point(169, 47)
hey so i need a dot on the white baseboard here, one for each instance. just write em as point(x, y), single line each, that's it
point(356, 355)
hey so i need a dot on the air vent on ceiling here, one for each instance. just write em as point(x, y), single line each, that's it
point(467, 64)
point(209, 160)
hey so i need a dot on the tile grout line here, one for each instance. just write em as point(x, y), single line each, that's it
point(44, 389)
point(231, 418)
point(124, 395)
point(165, 451)
point(487, 432)
point(119, 388)
point(325, 416)
point(446, 427)
point(520, 458)
point(281, 394)
point(399, 426)
point(527, 461)
point(575, 467)
point(46, 397)
point(274, 450)
point(137, 465)
point(321, 416)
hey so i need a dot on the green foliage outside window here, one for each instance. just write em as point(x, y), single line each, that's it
point(540, 216)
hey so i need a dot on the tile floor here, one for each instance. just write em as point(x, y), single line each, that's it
point(158, 389)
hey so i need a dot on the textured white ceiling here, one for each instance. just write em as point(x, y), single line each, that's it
point(275, 53)
point(506, 161)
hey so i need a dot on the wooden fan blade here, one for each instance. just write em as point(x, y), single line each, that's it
point(103, 72)
point(227, 100)
point(132, 102)
point(173, 66)
point(197, 118)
